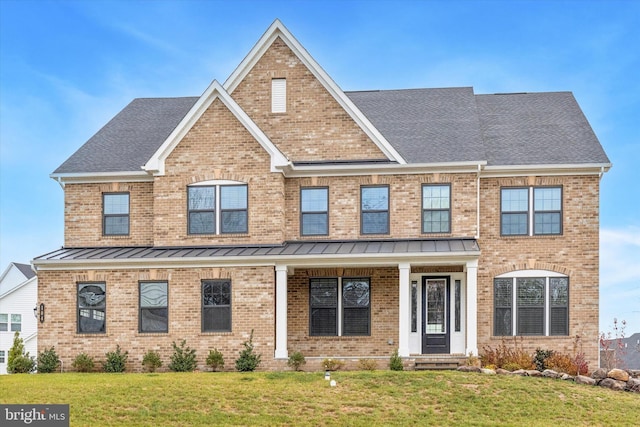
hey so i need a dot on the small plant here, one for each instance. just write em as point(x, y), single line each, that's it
point(332, 365)
point(183, 358)
point(612, 346)
point(48, 361)
point(395, 362)
point(116, 360)
point(562, 363)
point(540, 358)
point(515, 358)
point(248, 360)
point(582, 366)
point(18, 361)
point(367, 364)
point(151, 361)
point(472, 360)
point(83, 363)
point(296, 360)
point(215, 360)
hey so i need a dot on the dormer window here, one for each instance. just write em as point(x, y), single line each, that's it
point(279, 95)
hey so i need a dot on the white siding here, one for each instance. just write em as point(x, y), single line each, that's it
point(20, 300)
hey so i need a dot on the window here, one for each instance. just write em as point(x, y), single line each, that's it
point(279, 95)
point(4, 322)
point(154, 311)
point(216, 305)
point(16, 322)
point(436, 209)
point(2, 356)
point(115, 218)
point(230, 217)
point(314, 211)
point(91, 307)
point(518, 219)
point(374, 207)
point(531, 305)
point(339, 306)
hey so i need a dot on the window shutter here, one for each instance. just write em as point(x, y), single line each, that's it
point(279, 95)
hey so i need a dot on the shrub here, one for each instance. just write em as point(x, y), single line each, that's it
point(183, 358)
point(332, 365)
point(248, 360)
point(83, 363)
point(515, 358)
point(151, 361)
point(18, 361)
point(48, 361)
point(116, 360)
point(367, 364)
point(540, 358)
point(562, 363)
point(215, 360)
point(395, 362)
point(582, 366)
point(296, 360)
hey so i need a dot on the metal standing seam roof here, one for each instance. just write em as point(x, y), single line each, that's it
point(287, 250)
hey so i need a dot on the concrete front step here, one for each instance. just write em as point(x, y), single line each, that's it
point(438, 363)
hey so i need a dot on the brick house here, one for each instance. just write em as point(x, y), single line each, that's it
point(338, 224)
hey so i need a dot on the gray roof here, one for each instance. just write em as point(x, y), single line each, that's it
point(424, 125)
point(25, 269)
point(288, 250)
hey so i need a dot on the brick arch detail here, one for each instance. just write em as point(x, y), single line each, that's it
point(531, 265)
point(216, 174)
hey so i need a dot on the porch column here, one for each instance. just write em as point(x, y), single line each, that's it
point(281, 312)
point(472, 308)
point(404, 309)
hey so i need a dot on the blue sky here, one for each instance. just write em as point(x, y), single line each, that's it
point(67, 67)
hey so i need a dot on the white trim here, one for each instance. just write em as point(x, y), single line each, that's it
point(100, 177)
point(277, 29)
point(546, 170)
point(281, 351)
point(530, 274)
point(354, 169)
point(20, 286)
point(215, 91)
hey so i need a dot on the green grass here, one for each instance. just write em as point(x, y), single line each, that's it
point(299, 398)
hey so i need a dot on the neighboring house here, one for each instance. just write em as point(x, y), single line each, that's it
point(18, 295)
point(338, 224)
point(621, 353)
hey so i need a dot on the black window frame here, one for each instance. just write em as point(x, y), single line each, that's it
point(303, 212)
point(504, 213)
point(364, 211)
point(447, 210)
point(218, 211)
point(212, 308)
point(339, 311)
point(142, 309)
point(223, 210)
point(532, 212)
point(202, 211)
point(100, 306)
point(347, 326)
point(535, 211)
point(105, 215)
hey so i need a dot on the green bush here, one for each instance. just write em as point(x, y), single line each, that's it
point(83, 363)
point(540, 358)
point(296, 360)
point(48, 361)
point(332, 364)
point(215, 360)
point(183, 358)
point(116, 360)
point(18, 361)
point(395, 362)
point(248, 360)
point(151, 361)
point(367, 364)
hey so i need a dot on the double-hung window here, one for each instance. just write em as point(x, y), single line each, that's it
point(216, 305)
point(154, 309)
point(115, 214)
point(91, 307)
point(217, 209)
point(436, 208)
point(340, 306)
point(16, 322)
point(2, 357)
point(531, 211)
point(314, 211)
point(4, 322)
point(374, 209)
point(531, 305)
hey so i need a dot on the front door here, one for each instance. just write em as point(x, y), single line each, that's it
point(435, 315)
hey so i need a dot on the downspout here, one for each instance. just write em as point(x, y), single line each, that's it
point(478, 202)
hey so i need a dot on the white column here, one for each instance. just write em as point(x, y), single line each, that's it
point(472, 308)
point(281, 312)
point(404, 309)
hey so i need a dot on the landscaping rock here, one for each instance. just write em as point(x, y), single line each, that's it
point(567, 377)
point(613, 384)
point(599, 374)
point(634, 373)
point(550, 373)
point(521, 372)
point(581, 379)
point(487, 371)
point(501, 371)
point(633, 385)
point(618, 374)
point(534, 373)
point(469, 369)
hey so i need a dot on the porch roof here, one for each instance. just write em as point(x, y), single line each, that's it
point(377, 251)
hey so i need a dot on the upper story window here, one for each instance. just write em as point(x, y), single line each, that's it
point(533, 305)
point(16, 322)
point(436, 208)
point(154, 309)
point(217, 208)
point(518, 218)
point(115, 214)
point(91, 307)
point(4, 322)
point(314, 211)
point(374, 209)
point(279, 95)
point(216, 305)
point(339, 306)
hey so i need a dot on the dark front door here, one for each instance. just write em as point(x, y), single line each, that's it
point(435, 315)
